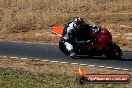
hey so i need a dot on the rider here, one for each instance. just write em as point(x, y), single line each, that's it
point(75, 31)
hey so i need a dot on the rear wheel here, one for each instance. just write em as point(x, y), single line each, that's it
point(114, 51)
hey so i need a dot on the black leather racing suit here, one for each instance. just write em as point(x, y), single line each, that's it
point(72, 34)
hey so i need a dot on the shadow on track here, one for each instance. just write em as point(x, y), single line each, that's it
point(127, 56)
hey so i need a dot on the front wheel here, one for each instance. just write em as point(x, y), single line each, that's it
point(113, 51)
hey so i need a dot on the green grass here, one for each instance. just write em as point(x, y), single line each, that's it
point(10, 78)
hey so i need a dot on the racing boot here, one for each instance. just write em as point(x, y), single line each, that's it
point(72, 54)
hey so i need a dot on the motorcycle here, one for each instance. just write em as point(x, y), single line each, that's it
point(101, 45)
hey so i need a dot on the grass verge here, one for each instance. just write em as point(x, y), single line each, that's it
point(16, 73)
point(21, 79)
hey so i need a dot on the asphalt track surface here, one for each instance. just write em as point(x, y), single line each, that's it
point(52, 52)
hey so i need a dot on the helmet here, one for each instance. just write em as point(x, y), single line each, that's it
point(78, 21)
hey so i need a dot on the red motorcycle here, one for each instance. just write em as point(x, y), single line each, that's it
point(102, 45)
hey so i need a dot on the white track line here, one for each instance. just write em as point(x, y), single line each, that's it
point(24, 58)
point(84, 64)
point(117, 68)
point(92, 65)
point(74, 63)
point(101, 66)
point(37, 59)
point(120, 69)
point(4, 56)
point(125, 69)
point(14, 57)
point(64, 62)
point(109, 67)
point(45, 60)
point(54, 61)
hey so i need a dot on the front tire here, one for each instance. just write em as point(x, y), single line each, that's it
point(113, 51)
